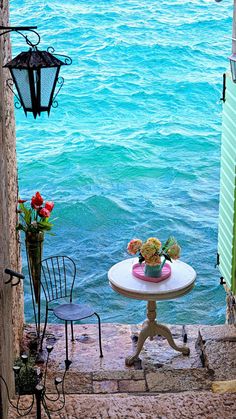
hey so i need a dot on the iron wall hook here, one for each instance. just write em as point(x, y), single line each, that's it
point(13, 274)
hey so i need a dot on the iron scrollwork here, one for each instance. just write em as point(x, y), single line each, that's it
point(18, 30)
point(39, 392)
point(67, 60)
point(17, 102)
point(60, 82)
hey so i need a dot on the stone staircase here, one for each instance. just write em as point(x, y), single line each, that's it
point(163, 384)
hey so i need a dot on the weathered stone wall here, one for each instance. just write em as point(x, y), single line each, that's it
point(230, 306)
point(12, 194)
point(11, 299)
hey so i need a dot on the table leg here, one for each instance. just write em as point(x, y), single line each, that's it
point(165, 331)
point(150, 329)
point(143, 335)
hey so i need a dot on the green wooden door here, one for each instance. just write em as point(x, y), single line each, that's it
point(227, 222)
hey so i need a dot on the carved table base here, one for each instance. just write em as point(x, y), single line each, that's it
point(150, 329)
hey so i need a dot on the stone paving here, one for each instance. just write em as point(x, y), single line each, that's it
point(187, 405)
point(163, 384)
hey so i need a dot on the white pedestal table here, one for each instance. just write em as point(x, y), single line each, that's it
point(180, 282)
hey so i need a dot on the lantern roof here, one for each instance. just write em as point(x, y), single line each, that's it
point(34, 59)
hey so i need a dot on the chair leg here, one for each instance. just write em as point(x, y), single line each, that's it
point(100, 335)
point(44, 329)
point(72, 332)
point(67, 361)
point(66, 333)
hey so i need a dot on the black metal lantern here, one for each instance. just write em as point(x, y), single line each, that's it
point(35, 75)
point(232, 60)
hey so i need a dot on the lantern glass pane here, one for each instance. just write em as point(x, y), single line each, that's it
point(35, 75)
point(23, 86)
point(48, 76)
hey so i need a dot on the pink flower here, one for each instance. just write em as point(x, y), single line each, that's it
point(174, 251)
point(49, 206)
point(44, 212)
point(134, 246)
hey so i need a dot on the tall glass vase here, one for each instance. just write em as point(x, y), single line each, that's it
point(34, 249)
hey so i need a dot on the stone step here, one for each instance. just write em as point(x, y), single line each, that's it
point(187, 405)
point(160, 369)
point(153, 382)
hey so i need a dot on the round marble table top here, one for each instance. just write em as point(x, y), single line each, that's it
point(180, 282)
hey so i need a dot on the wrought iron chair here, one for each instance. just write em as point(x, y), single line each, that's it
point(57, 281)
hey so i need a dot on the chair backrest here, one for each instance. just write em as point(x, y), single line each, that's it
point(57, 277)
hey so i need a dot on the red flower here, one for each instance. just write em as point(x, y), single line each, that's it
point(49, 206)
point(36, 201)
point(44, 212)
point(21, 201)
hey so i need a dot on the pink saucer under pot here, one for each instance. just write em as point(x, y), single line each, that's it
point(138, 272)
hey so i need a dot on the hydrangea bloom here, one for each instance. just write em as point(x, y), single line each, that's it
point(134, 246)
point(153, 252)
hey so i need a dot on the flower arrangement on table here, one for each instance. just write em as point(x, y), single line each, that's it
point(154, 253)
point(35, 218)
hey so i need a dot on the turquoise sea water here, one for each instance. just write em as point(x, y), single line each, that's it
point(133, 150)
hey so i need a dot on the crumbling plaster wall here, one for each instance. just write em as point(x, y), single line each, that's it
point(11, 298)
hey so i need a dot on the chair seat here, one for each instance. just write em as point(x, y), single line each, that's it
point(72, 312)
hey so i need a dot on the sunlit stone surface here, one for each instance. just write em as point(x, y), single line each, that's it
point(163, 384)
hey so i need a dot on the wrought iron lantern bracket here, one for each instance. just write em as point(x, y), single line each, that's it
point(19, 29)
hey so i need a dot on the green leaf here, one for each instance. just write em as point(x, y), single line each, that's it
point(141, 258)
point(44, 225)
point(169, 242)
point(26, 213)
point(166, 256)
point(20, 227)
